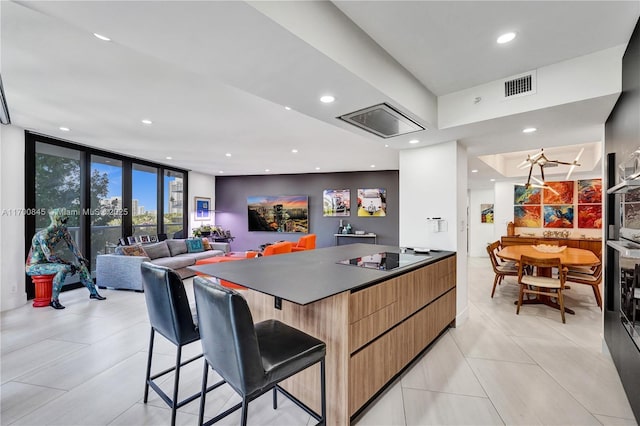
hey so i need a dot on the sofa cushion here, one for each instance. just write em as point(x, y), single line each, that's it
point(134, 250)
point(176, 247)
point(157, 250)
point(194, 245)
point(176, 262)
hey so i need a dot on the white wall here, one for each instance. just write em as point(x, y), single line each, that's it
point(433, 183)
point(480, 234)
point(200, 185)
point(12, 245)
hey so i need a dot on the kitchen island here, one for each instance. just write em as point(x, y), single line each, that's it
point(374, 321)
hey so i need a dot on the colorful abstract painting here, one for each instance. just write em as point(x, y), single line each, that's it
point(558, 216)
point(523, 195)
point(527, 216)
point(558, 192)
point(486, 213)
point(590, 191)
point(590, 216)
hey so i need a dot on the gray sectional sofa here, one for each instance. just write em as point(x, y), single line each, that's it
point(120, 271)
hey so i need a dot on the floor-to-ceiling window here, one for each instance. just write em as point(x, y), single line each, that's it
point(173, 203)
point(108, 196)
point(144, 203)
point(106, 205)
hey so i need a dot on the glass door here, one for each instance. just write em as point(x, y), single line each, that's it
point(144, 204)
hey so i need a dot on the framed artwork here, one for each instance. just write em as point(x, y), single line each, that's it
point(527, 216)
point(558, 192)
point(631, 215)
point(122, 242)
point(590, 216)
point(131, 240)
point(153, 238)
point(144, 239)
point(486, 213)
point(336, 202)
point(523, 195)
point(560, 216)
point(372, 202)
point(203, 208)
point(137, 239)
point(278, 213)
point(590, 191)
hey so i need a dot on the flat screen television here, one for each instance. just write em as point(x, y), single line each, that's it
point(278, 213)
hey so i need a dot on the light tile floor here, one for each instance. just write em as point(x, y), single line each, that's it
point(85, 366)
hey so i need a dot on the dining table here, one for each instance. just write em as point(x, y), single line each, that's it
point(568, 256)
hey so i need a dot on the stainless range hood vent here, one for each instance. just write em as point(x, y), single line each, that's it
point(382, 120)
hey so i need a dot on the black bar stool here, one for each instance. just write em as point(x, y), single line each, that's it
point(170, 315)
point(252, 359)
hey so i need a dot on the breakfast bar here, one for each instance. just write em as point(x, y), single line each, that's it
point(375, 307)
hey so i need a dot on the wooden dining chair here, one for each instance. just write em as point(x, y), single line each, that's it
point(500, 270)
point(591, 276)
point(540, 285)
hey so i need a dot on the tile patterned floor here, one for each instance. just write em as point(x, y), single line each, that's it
point(85, 366)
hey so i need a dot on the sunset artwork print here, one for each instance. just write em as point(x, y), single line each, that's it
point(558, 192)
point(558, 216)
point(284, 213)
point(527, 216)
point(590, 191)
point(524, 195)
point(590, 216)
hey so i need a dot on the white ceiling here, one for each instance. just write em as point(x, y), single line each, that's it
point(215, 76)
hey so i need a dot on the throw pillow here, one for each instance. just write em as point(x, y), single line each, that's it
point(176, 247)
point(134, 250)
point(194, 245)
point(205, 244)
point(157, 250)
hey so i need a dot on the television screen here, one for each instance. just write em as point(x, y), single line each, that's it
point(283, 213)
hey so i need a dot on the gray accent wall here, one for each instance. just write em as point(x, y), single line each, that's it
point(232, 213)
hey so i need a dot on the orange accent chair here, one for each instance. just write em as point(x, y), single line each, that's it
point(308, 242)
point(277, 248)
point(220, 259)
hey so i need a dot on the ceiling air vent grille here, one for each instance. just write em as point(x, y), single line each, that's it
point(382, 120)
point(520, 86)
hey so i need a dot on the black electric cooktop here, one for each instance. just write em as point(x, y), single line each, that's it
point(384, 261)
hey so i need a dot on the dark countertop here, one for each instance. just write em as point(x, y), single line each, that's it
point(308, 276)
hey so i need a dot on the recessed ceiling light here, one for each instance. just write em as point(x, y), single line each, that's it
point(327, 99)
point(492, 180)
point(101, 37)
point(373, 166)
point(221, 172)
point(64, 129)
point(169, 158)
point(474, 171)
point(414, 141)
point(147, 121)
point(267, 170)
point(386, 145)
point(317, 168)
point(228, 154)
point(529, 130)
point(295, 151)
point(288, 108)
point(506, 38)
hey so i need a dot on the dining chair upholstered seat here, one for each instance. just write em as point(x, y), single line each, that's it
point(500, 270)
point(170, 316)
point(251, 358)
point(541, 285)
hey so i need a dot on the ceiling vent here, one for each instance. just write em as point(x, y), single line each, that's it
point(382, 120)
point(521, 85)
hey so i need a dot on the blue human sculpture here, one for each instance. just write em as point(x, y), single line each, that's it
point(42, 260)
